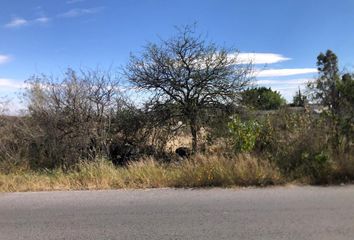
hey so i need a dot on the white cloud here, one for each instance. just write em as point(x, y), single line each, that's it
point(11, 84)
point(297, 81)
point(74, 1)
point(42, 20)
point(20, 22)
point(77, 12)
point(286, 87)
point(16, 22)
point(284, 72)
point(4, 59)
point(259, 58)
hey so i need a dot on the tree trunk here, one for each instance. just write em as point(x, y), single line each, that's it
point(194, 132)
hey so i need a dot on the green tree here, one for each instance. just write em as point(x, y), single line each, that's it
point(346, 90)
point(324, 89)
point(262, 98)
point(335, 92)
point(299, 100)
point(346, 111)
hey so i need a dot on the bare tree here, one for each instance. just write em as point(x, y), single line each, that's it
point(190, 74)
point(71, 116)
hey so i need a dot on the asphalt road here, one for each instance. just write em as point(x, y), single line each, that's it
point(271, 213)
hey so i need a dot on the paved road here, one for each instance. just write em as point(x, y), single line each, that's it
point(273, 213)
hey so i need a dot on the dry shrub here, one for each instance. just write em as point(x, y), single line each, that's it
point(100, 174)
point(344, 168)
point(300, 145)
point(13, 144)
point(240, 170)
point(147, 173)
point(199, 171)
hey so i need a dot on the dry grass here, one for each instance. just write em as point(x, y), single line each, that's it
point(199, 171)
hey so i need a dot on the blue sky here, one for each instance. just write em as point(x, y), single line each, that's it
point(282, 36)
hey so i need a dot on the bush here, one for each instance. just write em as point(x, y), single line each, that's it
point(69, 119)
point(243, 134)
point(298, 142)
point(13, 143)
point(316, 166)
point(262, 98)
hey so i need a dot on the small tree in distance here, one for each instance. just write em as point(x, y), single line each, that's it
point(262, 98)
point(299, 99)
point(190, 74)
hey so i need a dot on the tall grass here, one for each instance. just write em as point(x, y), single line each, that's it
point(199, 171)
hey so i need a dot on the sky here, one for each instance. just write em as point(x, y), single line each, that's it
point(282, 37)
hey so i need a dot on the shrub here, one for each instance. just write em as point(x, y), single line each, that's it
point(298, 142)
point(243, 134)
point(314, 165)
point(262, 98)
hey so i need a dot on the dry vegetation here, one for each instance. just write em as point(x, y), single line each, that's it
point(82, 132)
point(290, 147)
point(199, 171)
